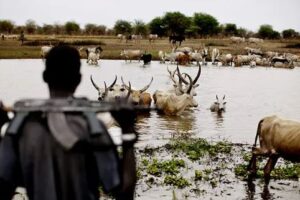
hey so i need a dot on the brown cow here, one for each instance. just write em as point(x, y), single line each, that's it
point(278, 138)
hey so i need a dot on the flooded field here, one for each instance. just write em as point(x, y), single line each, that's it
point(251, 94)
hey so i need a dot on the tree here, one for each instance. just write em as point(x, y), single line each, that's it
point(289, 33)
point(123, 27)
point(58, 28)
point(139, 27)
point(156, 26)
point(6, 26)
point(72, 28)
point(90, 29)
point(30, 26)
point(266, 31)
point(207, 24)
point(100, 30)
point(242, 32)
point(176, 23)
point(230, 29)
point(48, 29)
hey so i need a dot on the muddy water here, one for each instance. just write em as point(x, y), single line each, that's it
point(250, 93)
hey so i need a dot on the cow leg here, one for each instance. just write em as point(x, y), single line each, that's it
point(252, 168)
point(269, 167)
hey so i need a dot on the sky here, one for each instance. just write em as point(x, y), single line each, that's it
point(250, 14)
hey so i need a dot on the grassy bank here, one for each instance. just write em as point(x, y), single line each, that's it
point(112, 46)
point(197, 168)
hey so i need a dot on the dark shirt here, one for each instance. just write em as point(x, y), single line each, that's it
point(34, 159)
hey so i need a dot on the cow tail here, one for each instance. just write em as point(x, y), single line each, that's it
point(258, 132)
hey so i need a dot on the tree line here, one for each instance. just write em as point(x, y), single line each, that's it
point(171, 23)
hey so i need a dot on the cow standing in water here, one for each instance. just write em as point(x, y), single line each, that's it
point(218, 106)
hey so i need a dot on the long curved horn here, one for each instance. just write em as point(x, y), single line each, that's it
point(180, 77)
point(94, 84)
point(169, 71)
point(112, 85)
point(198, 75)
point(146, 87)
point(126, 86)
point(191, 83)
point(129, 89)
point(105, 90)
point(180, 86)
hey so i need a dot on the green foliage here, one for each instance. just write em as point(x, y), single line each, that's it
point(266, 31)
point(230, 29)
point(61, 42)
point(72, 28)
point(157, 26)
point(140, 27)
point(169, 166)
point(6, 26)
point(176, 22)
point(123, 27)
point(197, 148)
point(47, 29)
point(285, 171)
point(177, 181)
point(289, 33)
point(30, 26)
point(207, 24)
point(198, 175)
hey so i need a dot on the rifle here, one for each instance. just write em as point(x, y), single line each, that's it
point(55, 109)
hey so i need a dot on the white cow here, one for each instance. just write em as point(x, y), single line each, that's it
point(226, 59)
point(196, 56)
point(152, 37)
point(130, 54)
point(93, 55)
point(45, 50)
point(237, 39)
point(215, 55)
point(219, 105)
point(255, 40)
point(171, 104)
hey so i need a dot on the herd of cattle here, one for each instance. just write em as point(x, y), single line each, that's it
point(189, 55)
point(278, 137)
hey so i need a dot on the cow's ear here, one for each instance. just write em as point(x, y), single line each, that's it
point(224, 102)
point(196, 85)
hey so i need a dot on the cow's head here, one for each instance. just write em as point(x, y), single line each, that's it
point(113, 92)
point(135, 95)
point(220, 104)
point(186, 93)
point(194, 82)
point(100, 90)
point(116, 92)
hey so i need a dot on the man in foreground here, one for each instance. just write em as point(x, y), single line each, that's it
point(66, 156)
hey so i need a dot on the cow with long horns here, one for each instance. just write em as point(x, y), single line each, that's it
point(170, 103)
point(113, 92)
point(181, 85)
point(139, 97)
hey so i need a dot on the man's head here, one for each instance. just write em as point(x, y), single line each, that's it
point(62, 70)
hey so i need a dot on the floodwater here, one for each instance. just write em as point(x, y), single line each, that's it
point(251, 94)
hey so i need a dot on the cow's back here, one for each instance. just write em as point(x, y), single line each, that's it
point(283, 136)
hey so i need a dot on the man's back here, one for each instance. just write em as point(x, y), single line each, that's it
point(49, 171)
